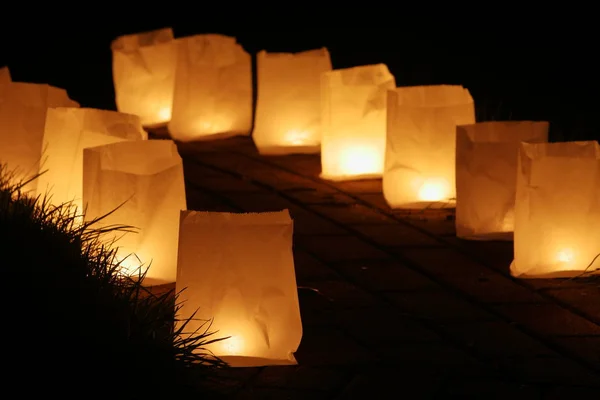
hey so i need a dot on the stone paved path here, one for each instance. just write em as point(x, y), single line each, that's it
point(393, 304)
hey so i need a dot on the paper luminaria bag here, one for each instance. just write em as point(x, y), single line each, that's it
point(557, 210)
point(239, 270)
point(213, 89)
point(143, 66)
point(67, 132)
point(421, 144)
point(486, 174)
point(23, 108)
point(5, 75)
point(354, 119)
point(142, 181)
point(288, 108)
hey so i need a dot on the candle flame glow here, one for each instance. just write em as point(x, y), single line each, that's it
point(565, 256)
point(296, 137)
point(164, 114)
point(233, 345)
point(360, 161)
point(434, 189)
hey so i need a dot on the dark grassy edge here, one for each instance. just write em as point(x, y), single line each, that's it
point(74, 325)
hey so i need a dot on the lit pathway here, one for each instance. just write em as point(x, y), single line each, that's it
point(393, 305)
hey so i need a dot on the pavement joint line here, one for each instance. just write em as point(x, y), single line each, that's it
point(211, 192)
point(439, 238)
point(408, 263)
point(582, 336)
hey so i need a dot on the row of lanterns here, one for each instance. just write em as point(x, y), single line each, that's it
point(502, 177)
point(423, 141)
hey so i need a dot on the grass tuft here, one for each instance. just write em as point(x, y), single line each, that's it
point(73, 325)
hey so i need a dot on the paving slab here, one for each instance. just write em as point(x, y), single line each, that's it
point(385, 275)
point(393, 304)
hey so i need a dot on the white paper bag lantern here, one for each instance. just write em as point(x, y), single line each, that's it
point(288, 107)
point(557, 210)
point(23, 108)
point(5, 75)
point(144, 178)
point(421, 144)
point(143, 67)
point(239, 270)
point(486, 174)
point(354, 112)
point(213, 89)
point(67, 132)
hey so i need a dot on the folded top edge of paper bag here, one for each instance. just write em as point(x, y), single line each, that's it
point(133, 41)
point(320, 52)
point(250, 218)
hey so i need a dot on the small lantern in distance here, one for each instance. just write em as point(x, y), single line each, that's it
point(143, 67)
point(354, 118)
point(288, 108)
point(421, 144)
point(213, 89)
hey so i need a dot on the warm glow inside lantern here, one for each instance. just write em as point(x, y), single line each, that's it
point(557, 210)
point(142, 181)
point(23, 109)
point(213, 89)
point(421, 144)
point(5, 75)
point(288, 108)
point(239, 270)
point(354, 118)
point(144, 75)
point(67, 132)
point(486, 173)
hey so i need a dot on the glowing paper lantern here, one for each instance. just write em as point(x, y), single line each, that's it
point(144, 75)
point(239, 270)
point(144, 178)
point(213, 89)
point(5, 75)
point(67, 132)
point(353, 117)
point(557, 210)
point(486, 174)
point(23, 108)
point(421, 144)
point(288, 108)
